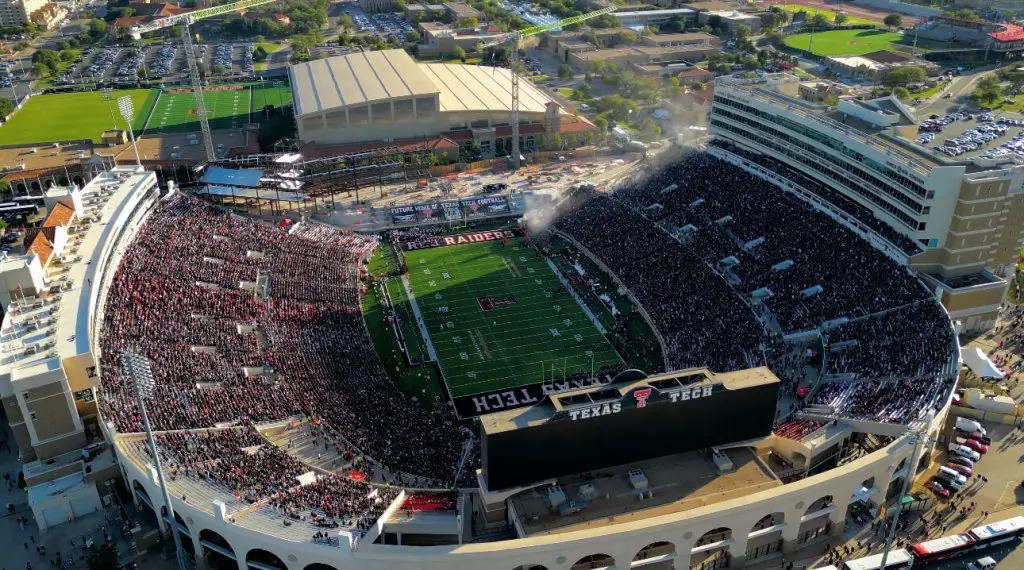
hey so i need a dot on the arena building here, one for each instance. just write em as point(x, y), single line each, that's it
point(386, 97)
point(960, 208)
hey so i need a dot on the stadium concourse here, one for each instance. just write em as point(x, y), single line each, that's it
point(252, 328)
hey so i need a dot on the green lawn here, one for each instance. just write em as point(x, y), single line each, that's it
point(267, 47)
point(534, 323)
point(829, 15)
point(844, 42)
point(72, 116)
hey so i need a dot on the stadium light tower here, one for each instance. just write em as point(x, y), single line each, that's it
point(127, 109)
point(136, 367)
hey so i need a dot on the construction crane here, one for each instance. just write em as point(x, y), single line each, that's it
point(186, 20)
point(513, 39)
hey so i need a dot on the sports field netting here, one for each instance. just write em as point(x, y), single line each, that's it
point(176, 111)
point(498, 316)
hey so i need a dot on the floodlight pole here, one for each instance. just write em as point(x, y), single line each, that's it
point(137, 368)
point(918, 436)
point(125, 106)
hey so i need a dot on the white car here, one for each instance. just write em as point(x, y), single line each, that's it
point(986, 563)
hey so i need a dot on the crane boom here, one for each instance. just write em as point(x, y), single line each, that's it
point(190, 55)
point(194, 15)
point(513, 39)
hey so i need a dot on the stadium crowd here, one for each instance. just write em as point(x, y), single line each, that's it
point(913, 341)
point(293, 344)
point(694, 250)
point(740, 233)
point(701, 319)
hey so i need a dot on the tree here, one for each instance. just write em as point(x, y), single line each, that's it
point(601, 123)
point(469, 22)
point(831, 101)
point(819, 21)
point(345, 21)
point(412, 36)
point(893, 21)
point(722, 68)
point(741, 32)
point(556, 141)
point(840, 18)
point(6, 107)
point(97, 28)
point(762, 57)
point(901, 92)
point(40, 70)
point(460, 53)
point(676, 24)
point(604, 21)
point(964, 14)
point(565, 71)
point(104, 557)
point(903, 76)
point(5, 190)
point(988, 92)
point(616, 106)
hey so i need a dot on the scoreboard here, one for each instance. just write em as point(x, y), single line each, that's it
point(615, 425)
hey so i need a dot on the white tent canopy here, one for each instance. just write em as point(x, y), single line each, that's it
point(979, 362)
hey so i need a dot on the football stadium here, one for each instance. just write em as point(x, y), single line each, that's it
point(288, 444)
point(703, 366)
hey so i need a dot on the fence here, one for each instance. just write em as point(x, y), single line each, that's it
point(1007, 419)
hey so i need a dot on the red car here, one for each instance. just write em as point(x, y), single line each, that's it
point(938, 489)
point(976, 445)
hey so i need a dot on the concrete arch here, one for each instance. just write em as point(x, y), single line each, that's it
point(36, 186)
point(222, 554)
point(712, 549)
point(819, 504)
point(530, 567)
point(766, 536)
point(20, 188)
point(259, 558)
point(593, 562)
point(319, 566)
point(655, 549)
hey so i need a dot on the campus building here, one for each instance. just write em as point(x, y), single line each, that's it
point(19, 12)
point(48, 375)
point(999, 38)
point(964, 215)
point(386, 97)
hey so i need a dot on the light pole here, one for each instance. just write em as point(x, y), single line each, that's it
point(138, 371)
point(127, 109)
point(918, 435)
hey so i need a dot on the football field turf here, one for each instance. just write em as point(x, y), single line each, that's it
point(497, 316)
point(175, 112)
point(844, 42)
point(73, 116)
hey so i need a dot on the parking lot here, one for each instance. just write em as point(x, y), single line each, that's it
point(967, 135)
point(384, 24)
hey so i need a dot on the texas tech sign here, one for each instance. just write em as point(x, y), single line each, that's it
point(638, 398)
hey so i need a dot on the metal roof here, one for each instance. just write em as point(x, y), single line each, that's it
point(477, 88)
point(356, 78)
point(362, 78)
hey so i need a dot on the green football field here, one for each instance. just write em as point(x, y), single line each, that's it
point(73, 116)
point(844, 42)
point(533, 327)
point(175, 112)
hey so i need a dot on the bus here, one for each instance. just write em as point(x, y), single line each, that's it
point(897, 560)
point(998, 532)
point(942, 548)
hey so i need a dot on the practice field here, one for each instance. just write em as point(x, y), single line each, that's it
point(829, 15)
point(228, 109)
point(844, 42)
point(176, 112)
point(497, 314)
point(73, 116)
